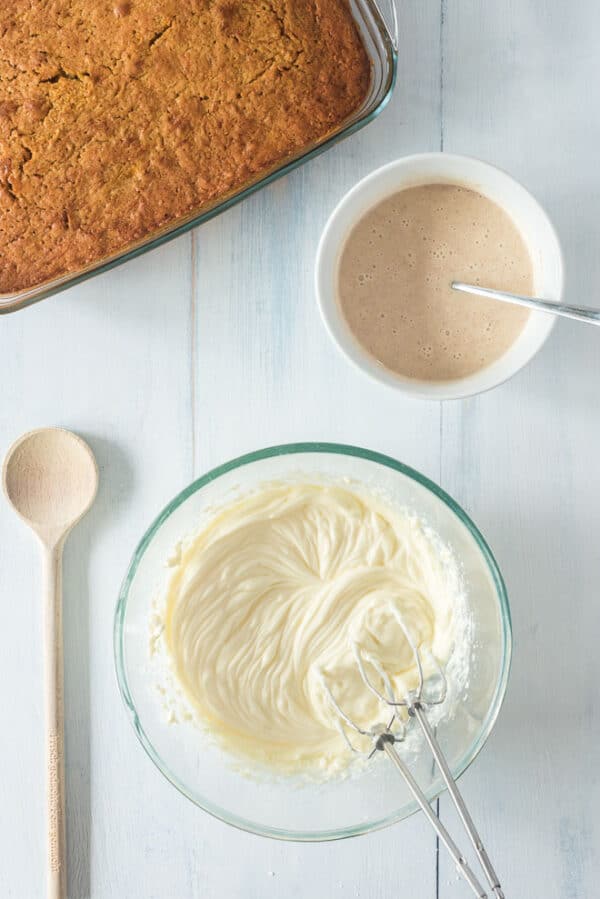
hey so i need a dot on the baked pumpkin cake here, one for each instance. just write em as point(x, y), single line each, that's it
point(118, 117)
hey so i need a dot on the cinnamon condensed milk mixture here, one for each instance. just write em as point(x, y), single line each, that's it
point(395, 275)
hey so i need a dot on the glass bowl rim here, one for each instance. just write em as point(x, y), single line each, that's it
point(290, 449)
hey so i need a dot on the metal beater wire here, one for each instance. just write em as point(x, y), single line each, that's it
point(384, 739)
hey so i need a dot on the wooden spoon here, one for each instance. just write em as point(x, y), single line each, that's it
point(50, 477)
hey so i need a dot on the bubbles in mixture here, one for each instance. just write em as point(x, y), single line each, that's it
point(395, 273)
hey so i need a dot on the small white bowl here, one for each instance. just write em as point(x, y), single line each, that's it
point(427, 168)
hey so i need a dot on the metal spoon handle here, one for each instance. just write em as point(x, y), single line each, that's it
point(579, 313)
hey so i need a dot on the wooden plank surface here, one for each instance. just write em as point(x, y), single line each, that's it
point(111, 361)
point(212, 346)
point(520, 90)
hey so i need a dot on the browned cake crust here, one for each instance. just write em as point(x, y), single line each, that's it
point(119, 117)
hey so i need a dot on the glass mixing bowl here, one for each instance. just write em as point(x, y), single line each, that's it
point(278, 807)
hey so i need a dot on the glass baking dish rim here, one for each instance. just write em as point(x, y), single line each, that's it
point(22, 299)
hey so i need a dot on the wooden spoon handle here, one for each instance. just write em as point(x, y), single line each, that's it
point(54, 707)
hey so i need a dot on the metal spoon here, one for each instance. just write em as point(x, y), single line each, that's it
point(579, 313)
point(50, 477)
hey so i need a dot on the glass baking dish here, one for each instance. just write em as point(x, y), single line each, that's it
point(378, 26)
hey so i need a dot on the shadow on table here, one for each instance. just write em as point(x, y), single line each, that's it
point(115, 485)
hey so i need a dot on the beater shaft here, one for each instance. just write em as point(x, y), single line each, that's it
point(388, 747)
point(457, 799)
point(384, 739)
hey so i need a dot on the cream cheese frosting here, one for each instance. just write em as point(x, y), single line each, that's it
point(268, 599)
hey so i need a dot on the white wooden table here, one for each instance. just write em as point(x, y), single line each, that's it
point(212, 346)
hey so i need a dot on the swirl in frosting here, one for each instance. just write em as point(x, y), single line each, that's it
point(268, 600)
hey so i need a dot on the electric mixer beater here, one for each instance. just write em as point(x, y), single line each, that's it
point(385, 736)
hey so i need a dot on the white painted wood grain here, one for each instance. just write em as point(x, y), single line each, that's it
point(521, 90)
point(180, 360)
point(111, 361)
